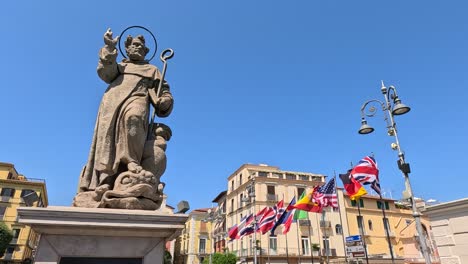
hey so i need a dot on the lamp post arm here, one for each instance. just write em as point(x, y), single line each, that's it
point(372, 111)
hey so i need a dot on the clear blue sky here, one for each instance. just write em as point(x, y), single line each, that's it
point(270, 82)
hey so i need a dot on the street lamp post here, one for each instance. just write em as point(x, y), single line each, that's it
point(392, 107)
point(211, 217)
point(251, 195)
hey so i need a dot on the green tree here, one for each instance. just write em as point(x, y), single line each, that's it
point(5, 237)
point(167, 257)
point(220, 258)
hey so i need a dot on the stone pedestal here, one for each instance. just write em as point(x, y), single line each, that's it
point(107, 236)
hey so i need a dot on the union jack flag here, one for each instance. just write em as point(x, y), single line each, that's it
point(326, 194)
point(367, 172)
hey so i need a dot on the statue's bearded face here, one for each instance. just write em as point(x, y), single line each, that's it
point(136, 51)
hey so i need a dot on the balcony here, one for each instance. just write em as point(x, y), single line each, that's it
point(303, 222)
point(331, 252)
point(202, 251)
point(325, 224)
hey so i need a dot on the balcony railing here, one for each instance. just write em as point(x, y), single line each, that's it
point(303, 222)
point(325, 224)
point(5, 199)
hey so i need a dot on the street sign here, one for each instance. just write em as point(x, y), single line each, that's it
point(355, 247)
point(353, 238)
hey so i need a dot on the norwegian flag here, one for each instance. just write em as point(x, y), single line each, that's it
point(269, 218)
point(244, 226)
point(367, 172)
point(326, 194)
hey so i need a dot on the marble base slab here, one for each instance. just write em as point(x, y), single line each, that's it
point(74, 232)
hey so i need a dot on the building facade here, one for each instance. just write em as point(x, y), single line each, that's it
point(400, 223)
point(17, 190)
point(195, 244)
point(449, 226)
point(320, 237)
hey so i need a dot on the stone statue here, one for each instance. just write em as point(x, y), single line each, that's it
point(126, 160)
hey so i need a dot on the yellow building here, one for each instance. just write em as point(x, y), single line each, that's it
point(196, 241)
point(17, 190)
point(400, 223)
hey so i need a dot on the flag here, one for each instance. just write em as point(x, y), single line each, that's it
point(233, 232)
point(269, 218)
point(352, 187)
point(326, 195)
point(367, 172)
point(300, 214)
point(289, 220)
point(308, 203)
point(283, 215)
point(245, 227)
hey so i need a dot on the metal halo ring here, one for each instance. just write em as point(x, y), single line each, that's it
point(147, 30)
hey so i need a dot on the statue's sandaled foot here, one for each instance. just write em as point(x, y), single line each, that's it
point(134, 167)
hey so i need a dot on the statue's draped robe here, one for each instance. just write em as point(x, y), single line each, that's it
point(122, 122)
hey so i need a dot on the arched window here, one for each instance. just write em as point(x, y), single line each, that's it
point(338, 229)
point(370, 224)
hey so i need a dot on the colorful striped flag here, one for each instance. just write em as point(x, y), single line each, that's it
point(326, 195)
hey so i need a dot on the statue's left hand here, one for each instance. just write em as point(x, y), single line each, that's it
point(163, 103)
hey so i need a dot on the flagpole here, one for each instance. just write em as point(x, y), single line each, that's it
point(310, 240)
point(387, 232)
point(319, 236)
point(287, 251)
point(341, 218)
point(361, 230)
point(325, 233)
point(298, 241)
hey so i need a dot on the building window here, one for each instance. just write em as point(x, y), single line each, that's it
point(241, 199)
point(16, 232)
point(10, 175)
point(202, 246)
point(387, 224)
point(277, 175)
point(8, 192)
point(232, 185)
point(354, 203)
point(262, 174)
point(326, 246)
point(300, 191)
point(305, 245)
point(290, 176)
point(273, 243)
point(360, 221)
point(232, 205)
point(271, 193)
point(379, 205)
point(369, 223)
point(2, 211)
point(338, 229)
point(303, 177)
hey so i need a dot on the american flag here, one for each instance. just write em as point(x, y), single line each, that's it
point(326, 194)
point(367, 172)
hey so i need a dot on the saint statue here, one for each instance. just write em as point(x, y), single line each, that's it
point(126, 160)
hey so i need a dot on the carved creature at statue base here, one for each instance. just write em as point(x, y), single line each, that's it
point(131, 191)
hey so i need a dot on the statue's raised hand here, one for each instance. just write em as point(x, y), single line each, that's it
point(108, 40)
